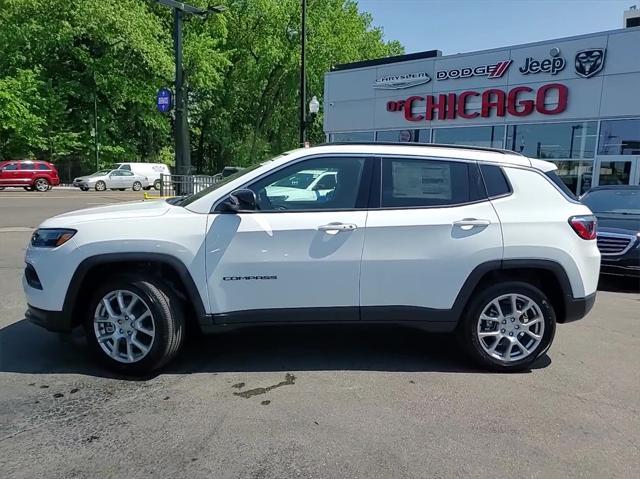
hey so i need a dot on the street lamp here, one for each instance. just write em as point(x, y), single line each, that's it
point(181, 129)
point(314, 108)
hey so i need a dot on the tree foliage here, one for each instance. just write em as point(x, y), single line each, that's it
point(63, 61)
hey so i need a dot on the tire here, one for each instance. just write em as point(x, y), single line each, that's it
point(84, 189)
point(100, 186)
point(28, 188)
point(41, 185)
point(156, 185)
point(507, 329)
point(137, 186)
point(121, 189)
point(147, 188)
point(166, 320)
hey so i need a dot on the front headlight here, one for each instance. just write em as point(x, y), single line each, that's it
point(51, 237)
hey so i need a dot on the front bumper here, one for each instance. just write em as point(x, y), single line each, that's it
point(627, 264)
point(577, 308)
point(55, 321)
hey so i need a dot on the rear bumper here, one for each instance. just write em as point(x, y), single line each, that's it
point(578, 308)
point(55, 321)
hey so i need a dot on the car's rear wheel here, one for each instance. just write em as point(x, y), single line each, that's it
point(137, 186)
point(41, 185)
point(100, 186)
point(135, 323)
point(506, 327)
point(156, 184)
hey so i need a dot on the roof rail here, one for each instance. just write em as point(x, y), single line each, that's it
point(433, 145)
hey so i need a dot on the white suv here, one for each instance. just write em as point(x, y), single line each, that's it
point(483, 242)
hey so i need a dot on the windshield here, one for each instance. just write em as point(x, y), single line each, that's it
point(614, 201)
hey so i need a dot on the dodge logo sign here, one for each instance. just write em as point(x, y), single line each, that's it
point(495, 70)
point(590, 61)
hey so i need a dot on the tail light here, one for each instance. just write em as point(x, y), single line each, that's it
point(585, 226)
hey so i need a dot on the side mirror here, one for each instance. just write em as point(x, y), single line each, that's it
point(240, 200)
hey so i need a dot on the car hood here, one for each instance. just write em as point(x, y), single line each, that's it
point(618, 223)
point(138, 209)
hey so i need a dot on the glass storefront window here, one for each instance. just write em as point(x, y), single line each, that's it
point(548, 141)
point(614, 172)
point(397, 135)
point(487, 136)
point(577, 175)
point(352, 136)
point(619, 137)
point(424, 136)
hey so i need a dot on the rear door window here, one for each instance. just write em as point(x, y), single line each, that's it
point(43, 167)
point(553, 176)
point(418, 182)
point(495, 181)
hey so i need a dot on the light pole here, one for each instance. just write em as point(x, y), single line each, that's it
point(181, 127)
point(303, 85)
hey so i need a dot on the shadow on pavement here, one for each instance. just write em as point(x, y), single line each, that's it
point(619, 284)
point(25, 348)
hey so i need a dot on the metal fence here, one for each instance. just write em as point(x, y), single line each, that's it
point(178, 185)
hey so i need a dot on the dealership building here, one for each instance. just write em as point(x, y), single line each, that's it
point(574, 101)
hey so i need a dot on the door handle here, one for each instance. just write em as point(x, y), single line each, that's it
point(468, 223)
point(333, 228)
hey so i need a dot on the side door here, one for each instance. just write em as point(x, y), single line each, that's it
point(294, 258)
point(114, 179)
point(9, 174)
point(26, 172)
point(433, 227)
point(126, 179)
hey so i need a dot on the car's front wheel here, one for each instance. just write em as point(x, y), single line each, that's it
point(100, 186)
point(84, 188)
point(157, 184)
point(135, 323)
point(506, 327)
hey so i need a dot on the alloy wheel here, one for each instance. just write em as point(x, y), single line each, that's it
point(511, 327)
point(124, 326)
point(41, 185)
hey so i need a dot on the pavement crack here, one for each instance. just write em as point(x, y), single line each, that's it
point(289, 379)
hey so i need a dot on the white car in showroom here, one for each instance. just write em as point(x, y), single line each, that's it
point(112, 179)
point(482, 242)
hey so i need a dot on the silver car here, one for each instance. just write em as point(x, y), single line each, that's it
point(112, 179)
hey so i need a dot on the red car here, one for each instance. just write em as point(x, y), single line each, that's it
point(31, 175)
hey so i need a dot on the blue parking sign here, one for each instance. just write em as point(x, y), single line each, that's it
point(164, 100)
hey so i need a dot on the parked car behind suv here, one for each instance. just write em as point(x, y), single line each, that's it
point(118, 179)
point(481, 242)
point(617, 208)
point(30, 175)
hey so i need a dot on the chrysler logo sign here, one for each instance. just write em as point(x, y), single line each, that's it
point(590, 61)
point(397, 82)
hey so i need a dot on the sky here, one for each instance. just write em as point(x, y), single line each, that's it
point(459, 26)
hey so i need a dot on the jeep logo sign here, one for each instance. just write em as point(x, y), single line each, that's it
point(549, 65)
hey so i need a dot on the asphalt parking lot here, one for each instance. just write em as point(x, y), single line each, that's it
point(315, 402)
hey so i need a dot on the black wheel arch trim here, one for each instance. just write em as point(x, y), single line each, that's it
point(87, 264)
